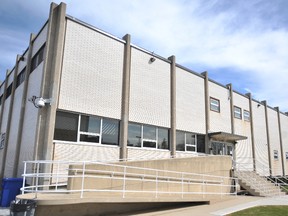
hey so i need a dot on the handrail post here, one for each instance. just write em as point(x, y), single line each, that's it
point(57, 176)
point(156, 184)
point(236, 183)
point(37, 179)
point(221, 189)
point(203, 186)
point(182, 185)
point(124, 182)
point(24, 177)
point(83, 178)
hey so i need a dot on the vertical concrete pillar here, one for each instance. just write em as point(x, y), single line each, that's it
point(1, 117)
point(125, 98)
point(8, 127)
point(207, 111)
point(4, 98)
point(252, 130)
point(173, 106)
point(23, 106)
point(50, 83)
point(230, 97)
point(283, 158)
point(268, 136)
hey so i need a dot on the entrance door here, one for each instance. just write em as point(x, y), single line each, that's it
point(222, 148)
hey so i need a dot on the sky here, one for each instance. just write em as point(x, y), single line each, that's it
point(243, 42)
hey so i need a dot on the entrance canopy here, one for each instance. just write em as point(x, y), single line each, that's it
point(226, 137)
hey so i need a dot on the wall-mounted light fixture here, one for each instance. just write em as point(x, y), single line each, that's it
point(152, 59)
point(39, 102)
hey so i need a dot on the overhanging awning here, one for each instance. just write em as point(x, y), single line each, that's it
point(226, 137)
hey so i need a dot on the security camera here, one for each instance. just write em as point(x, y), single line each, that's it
point(39, 102)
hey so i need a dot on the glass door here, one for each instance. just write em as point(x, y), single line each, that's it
point(222, 148)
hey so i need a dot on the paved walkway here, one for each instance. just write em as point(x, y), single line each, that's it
point(4, 211)
point(221, 207)
point(217, 207)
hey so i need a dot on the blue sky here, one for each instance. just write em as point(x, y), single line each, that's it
point(243, 42)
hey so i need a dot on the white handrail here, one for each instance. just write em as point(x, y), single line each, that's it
point(123, 173)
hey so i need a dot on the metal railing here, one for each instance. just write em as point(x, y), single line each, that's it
point(252, 177)
point(86, 178)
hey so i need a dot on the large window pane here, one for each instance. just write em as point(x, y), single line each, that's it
point(149, 132)
point(110, 130)
point(214, 104)
point(190, 138)
point(90, 124)
point(134, 135)
point(66, 126)
point(163, 138)
point(149, 144)
point(89, 138)
point(180, 141)
point(201, 143)
point(190, 148)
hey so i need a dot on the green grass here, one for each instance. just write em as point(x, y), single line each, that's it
point(263, 211)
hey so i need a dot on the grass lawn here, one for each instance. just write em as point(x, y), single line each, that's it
point(263, 211)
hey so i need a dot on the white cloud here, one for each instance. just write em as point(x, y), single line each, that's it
point(248, 38)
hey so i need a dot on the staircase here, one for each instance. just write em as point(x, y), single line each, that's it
point(257, 185)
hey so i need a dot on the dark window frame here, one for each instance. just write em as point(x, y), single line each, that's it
point(37, 58)
point(9, 90)
point(146, 142)
point(183, 147)
point(245, 116)
point(237, 115)
point(213, 105)
point(21, 77)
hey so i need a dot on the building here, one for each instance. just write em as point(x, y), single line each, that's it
point(78, 93)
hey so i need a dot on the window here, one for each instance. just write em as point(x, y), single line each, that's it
point(66, 126)
point(237, 112)
point(134, 135)
point(286, 154)
point(276, 154)
point(163, 138)
point(147, 136)
point(110, 130)
point(186, 141)
point(214, 104)
point(246, 115)
point(20, 77)
point(201, 143)
point(9, 90)
point(91, 129)
point(37, 58)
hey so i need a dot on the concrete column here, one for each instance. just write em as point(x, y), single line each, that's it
point(268, 136)
point(230, 97)
point(1, 117)
point(8, 127)
point(207, 111)
point(125, 98)
point(252, 130)
point(4, 98)
point(283, 157)
point(23, 106)
point(50, 83)
point(173, 105)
